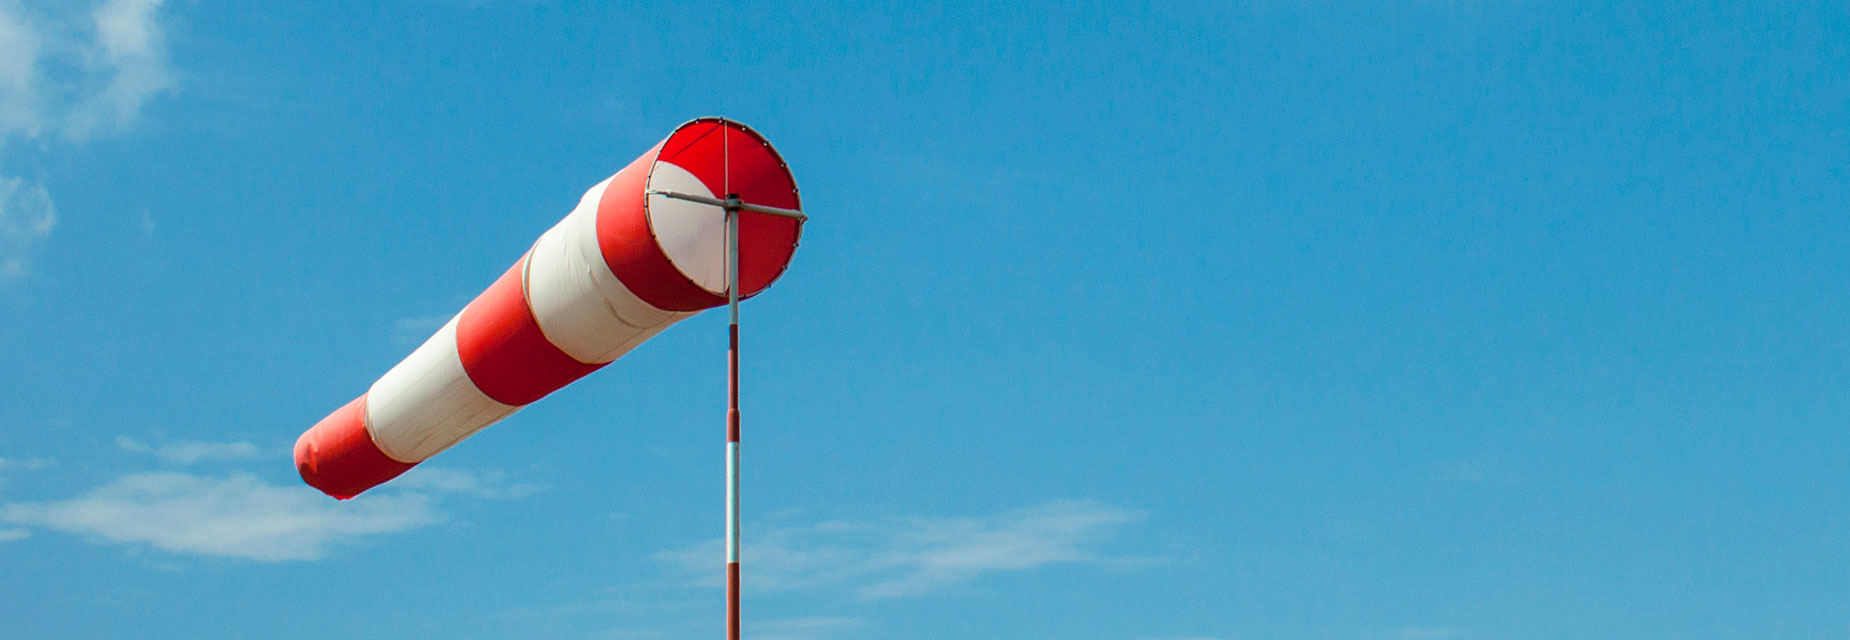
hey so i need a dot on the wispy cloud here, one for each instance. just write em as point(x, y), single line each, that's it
point(21, 46)
point(82, 68)
point(237, 516)
point(480, 484)
point(910, 556)
point(11, 465)
point(413, 331)
point(27, 217)
point(27, 464)
point(129, 56)
point(70, 72)
point(192, 452)
point(808, 628)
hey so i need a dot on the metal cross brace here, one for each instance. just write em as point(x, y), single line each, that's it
point(731, 203)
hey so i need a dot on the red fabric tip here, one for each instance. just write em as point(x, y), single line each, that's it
point(338, 456)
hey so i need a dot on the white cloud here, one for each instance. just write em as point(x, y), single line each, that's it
point(911, 556)
point(21, 45)
point(27, 217)
point(808, 628)
point(236, 516)
point(413, 331)
point(191, 452)
point(28, 464)
point(130, 54)
point(481, 484)
point(75, 70)
point(239, 515)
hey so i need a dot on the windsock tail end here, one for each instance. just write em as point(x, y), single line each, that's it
point(338, 456)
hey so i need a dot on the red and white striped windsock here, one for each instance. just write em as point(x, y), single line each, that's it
point(618, 269)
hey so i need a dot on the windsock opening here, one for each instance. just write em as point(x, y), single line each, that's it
point(671, 252)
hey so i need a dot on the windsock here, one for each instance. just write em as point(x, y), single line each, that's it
point(620, 268)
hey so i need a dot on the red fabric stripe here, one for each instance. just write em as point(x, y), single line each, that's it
point(338, 456)
point(629, 247)
point(502, 348)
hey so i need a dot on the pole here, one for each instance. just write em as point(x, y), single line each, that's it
point(732, 387)
point(733, 206)
point(732, 422)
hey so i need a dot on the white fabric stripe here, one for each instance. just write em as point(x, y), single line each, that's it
point(427, 403)
point(582, 307)
point(732, 502)
point(693, 235)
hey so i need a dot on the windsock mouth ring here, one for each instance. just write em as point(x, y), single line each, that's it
point(717, 157)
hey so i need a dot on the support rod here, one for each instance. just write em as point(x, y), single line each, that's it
point(732, 205)
point(732, 419)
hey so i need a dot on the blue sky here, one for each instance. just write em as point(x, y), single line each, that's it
point(1279, 320)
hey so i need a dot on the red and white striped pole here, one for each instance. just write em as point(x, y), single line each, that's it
point(732, 406)
point(732, 424)
point(733, 206)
